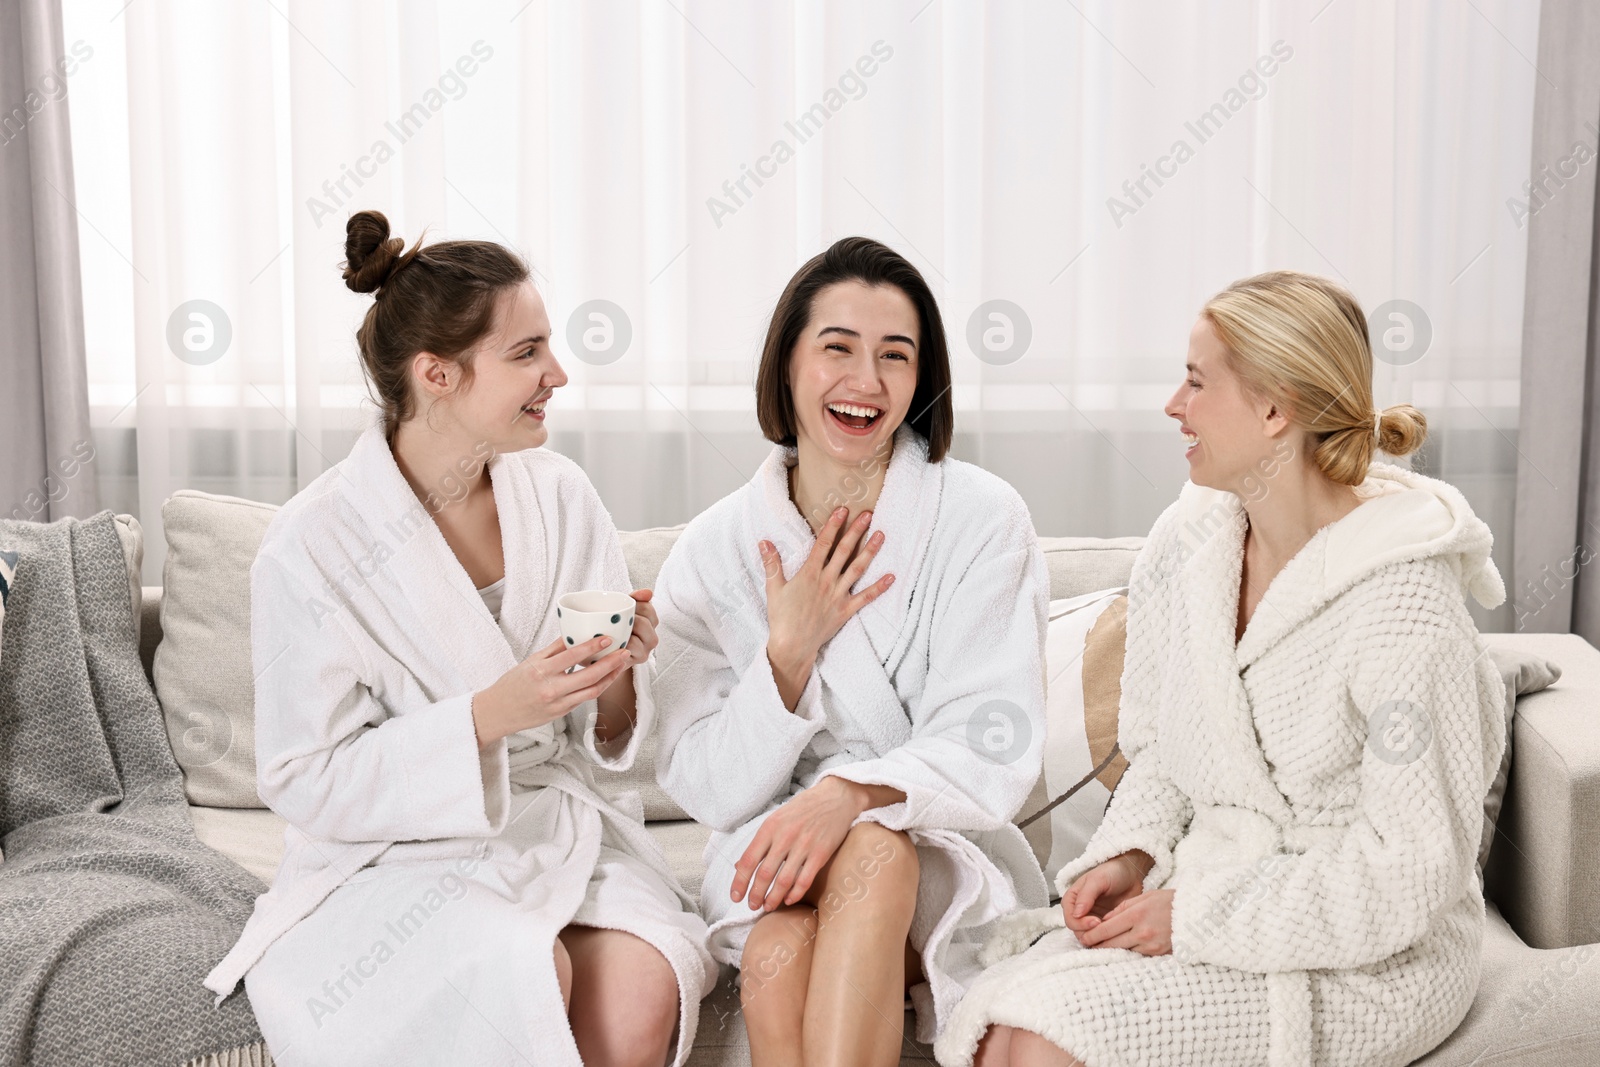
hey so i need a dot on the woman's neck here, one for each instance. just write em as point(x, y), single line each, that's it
point(432, 464)
point(818, 482)
point(1299, 501)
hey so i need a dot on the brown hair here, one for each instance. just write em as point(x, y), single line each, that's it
point(870, 262)
point(1301, 342)
point(438, 299)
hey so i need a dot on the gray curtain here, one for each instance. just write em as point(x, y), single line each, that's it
point(1555, 580)
point(46, 453)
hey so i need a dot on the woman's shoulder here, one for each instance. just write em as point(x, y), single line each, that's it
point(712, 535)
point(545, 467)
point(979, 501)
point(308, 517)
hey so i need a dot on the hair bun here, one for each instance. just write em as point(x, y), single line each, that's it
point(371, 255)
point(1401, 430)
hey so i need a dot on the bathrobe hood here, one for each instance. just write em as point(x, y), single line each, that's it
point(1405, 517)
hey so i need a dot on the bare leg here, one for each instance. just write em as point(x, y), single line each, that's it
point(865, 896)
point(994, 1048)
point(624, 1001)
point(1007, 1046)
point(775, 973)
point(564, 973)
point(1028, 1049)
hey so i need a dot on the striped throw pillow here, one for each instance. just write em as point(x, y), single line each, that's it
point(8, 572)
point(1082, 761)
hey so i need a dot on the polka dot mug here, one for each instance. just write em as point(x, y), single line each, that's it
point(592, 613)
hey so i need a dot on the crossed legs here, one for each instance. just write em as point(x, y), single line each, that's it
point(824, 980)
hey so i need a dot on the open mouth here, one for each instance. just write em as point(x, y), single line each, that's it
point(536, 410)
point(1191, 437)
point(855, 418)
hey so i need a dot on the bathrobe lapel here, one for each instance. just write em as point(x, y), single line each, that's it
point(1222, 725)
point(1340, 554)
point(427, 575)
point(865, 713)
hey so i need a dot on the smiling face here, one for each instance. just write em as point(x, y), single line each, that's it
point(1231, 433)
point(514, 373)
point(853, 371)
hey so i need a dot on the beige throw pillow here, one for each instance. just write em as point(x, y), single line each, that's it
point(1084, 648)
point(202, 667)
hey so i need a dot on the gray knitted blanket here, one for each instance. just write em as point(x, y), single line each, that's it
point(111, 910)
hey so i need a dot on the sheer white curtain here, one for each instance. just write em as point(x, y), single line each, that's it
point(1100, 167)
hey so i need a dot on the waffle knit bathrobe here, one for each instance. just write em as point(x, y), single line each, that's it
point(1313, 797)
point(936, 689)
point(423, 882)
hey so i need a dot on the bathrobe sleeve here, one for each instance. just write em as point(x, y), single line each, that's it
point(720, 706)
point(1421, 692)
point(977, 729)
point(332, 759)
point(589, 556)
point(1147, 811)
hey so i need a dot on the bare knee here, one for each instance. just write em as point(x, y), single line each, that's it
point(653, 1005)
point(625, 1000)
point(774, 969)
point(874, 872)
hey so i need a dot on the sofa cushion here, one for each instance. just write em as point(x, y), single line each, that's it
point(1542, 871)
point(250, 837)
point(1534, 1008)
point(202, 665)
point(645, 552)
point(1083, 663)
point(1523, 672)
point(8, 574)
point(1081, 565)
point(131, 534)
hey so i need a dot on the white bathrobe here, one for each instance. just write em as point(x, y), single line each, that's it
point(936, 689)
point(423, 883)
point(1313, 797)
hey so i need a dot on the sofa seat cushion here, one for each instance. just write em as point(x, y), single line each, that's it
point(1534, 1008)
point(250, 837)
point(253, 838)
point(1542, 871)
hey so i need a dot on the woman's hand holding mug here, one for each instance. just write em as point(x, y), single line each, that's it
point(543, 687)
point(570, 670)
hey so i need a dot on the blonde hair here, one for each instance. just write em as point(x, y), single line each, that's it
point(1301, 342)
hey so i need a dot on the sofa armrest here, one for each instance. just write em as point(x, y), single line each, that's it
point(149, 629)
point(1544, 868)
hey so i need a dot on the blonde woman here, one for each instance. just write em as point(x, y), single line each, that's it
point(1286, 874)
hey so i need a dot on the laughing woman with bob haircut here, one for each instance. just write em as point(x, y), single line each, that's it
point(851, 682)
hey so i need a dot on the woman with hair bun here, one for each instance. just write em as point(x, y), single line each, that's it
point(1287, 872)
point(454, 886)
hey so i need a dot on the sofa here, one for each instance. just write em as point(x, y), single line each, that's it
point(1539, 1000)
